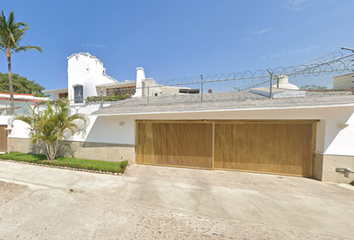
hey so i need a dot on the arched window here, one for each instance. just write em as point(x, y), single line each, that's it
point(78, 93)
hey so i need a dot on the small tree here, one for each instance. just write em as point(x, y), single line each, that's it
point(51, 125)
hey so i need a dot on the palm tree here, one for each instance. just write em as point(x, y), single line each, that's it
point(49, 126)
point(11, 34)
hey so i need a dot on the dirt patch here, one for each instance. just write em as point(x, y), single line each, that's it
point(10, 192)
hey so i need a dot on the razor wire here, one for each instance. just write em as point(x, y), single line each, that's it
point(336, 62)
point(315, 78)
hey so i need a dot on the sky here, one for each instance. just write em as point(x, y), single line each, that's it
point(176, 38)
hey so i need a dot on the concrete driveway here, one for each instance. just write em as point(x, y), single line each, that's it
point(152, 202)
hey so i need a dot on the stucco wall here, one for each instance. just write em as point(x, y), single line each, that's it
point(325, 168)
point(88, 71)
point(85, 150)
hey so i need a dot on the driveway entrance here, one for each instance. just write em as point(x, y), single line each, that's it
point(266, 146)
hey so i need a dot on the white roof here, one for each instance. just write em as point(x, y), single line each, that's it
point(60, 90)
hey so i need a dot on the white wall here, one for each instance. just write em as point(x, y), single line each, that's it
point(108, 130)
point(4, 119)
point(20, 130)
point(88, 71)
point(88, 108)
point(332, 138)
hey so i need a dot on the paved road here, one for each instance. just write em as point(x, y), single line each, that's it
point(169, 203)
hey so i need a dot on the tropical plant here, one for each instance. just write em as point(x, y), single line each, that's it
point(50, 125)
point(11, 34)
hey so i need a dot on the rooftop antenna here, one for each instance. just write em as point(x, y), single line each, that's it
point(347, 48)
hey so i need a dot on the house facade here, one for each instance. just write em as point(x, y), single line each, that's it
point(308, 138)
point(285, 131)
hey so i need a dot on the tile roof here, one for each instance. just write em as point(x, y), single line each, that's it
point(225, 100)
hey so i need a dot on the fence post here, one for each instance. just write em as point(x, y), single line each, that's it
point(201, 88)
point(148, 95)
point(270, 84)
point(102, 99)
point(277, 82)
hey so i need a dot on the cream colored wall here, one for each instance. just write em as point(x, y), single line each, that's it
point(85, 150)
point(166, 90)
point(343, 82)
point(325, 168)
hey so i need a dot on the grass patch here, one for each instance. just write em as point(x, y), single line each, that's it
point(115, 167)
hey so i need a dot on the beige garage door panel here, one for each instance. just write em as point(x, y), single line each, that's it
point(269, 148)
point(175, 144)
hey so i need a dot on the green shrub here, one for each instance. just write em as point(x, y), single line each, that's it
point(93, 99)
point(122, 97)
point(352, 183)
point(115, 167)
point(112, 98)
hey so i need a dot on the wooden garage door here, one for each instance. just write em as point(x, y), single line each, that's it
point(3, 139)
point(283, 148)
point(174, 144)
point(280, 147)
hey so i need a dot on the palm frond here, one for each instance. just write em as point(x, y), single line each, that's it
point(11, 34)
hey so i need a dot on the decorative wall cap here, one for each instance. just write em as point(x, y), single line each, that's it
point(86, 55)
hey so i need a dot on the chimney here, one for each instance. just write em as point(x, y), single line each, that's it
point(140, 76)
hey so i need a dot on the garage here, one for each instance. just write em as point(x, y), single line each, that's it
point(277, 147)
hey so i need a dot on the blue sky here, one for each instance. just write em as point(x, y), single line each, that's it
point(172, 39)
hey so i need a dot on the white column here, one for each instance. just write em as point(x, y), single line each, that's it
point(140, 76)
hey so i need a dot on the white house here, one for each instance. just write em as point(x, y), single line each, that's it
point(294, 133)
point(87, 77)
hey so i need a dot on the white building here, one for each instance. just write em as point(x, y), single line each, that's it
point(87, 77)
point(293, 133)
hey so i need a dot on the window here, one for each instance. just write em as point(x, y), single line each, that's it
point(121, 91)
point(78, 93)
point(132, 91)
point(63, 95)
point(110, 92)
point(117, 91)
